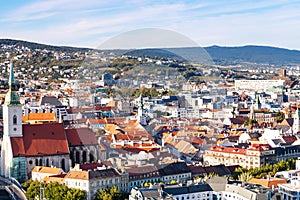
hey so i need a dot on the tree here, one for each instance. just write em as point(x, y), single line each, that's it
point(110, 193)
point(52, 191)
point(32, 189)
point(267, 169)
point(245, 177)
point(279, 117)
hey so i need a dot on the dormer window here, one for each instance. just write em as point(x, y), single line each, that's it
point(14, 120)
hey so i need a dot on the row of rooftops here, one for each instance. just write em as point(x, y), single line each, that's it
point(214, 185)
point(241, 150)
point(136, 173)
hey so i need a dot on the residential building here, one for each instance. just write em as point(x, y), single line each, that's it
point(93, 180)
point(178, 172)
point(257, 85)
point(40, 172)
point(199, 192)
point(251, 157)
point(290, 190)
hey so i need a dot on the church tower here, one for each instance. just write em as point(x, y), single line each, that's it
point(12, 109)
point(140, 114)
point(12, 124)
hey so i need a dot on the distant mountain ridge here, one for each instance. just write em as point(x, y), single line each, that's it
point(254, 54)
point(33, 45)
point(220, 55)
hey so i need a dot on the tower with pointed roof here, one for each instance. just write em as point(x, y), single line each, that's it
point(140, 114)
point(12, 124)
point(141, 106)
point(25, 146)
point(12, 109)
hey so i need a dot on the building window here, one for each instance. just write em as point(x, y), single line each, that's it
point(14, 120)
point(63, 166)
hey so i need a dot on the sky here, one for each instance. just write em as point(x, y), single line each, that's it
point(89, 23)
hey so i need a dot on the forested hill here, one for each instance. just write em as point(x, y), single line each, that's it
point(253, 54)
point(220, 55)
point(33, 45)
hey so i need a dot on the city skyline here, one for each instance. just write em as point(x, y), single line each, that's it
point(90, 23)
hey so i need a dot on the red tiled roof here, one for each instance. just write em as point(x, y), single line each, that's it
point(104, 108)
point(228, 150)
point(94, 165)
point(80, 137)
point(97, 121)
point(40, 139)
point(289, 138)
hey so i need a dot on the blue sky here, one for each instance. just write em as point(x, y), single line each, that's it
point(213, 22)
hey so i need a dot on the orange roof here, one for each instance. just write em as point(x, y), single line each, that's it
point(111, 128)
point(268, 182)
point(55, 178)
point(97, 121)
point(228, 150)
point(39, 117)
point(78, 175)
point(47, 170)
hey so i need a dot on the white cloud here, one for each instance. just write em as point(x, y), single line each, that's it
point(76, 22)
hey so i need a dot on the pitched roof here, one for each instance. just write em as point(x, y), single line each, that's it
point(174, 168)
point(150, 193)
point(197, 169)
point(50, 100)
point(48, 170)
point(289, 138)
point(40, 139)
point(141, 170)
point(236, 121)
point(39, 117)
point(74, 174)
point(220, 170)
point(92, 174)
point(81, 137)
point(97, 121)
point(268, 182)
point(188, 189)
point(185, 147)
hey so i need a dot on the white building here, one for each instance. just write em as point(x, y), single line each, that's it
point(290, 190)
point(257, 85)
point(93, 180)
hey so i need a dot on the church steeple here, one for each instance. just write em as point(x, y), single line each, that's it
point(12, 98)
point(12, 124)
point(12, 109)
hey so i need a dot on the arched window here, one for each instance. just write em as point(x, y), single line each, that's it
point(14, 120)
point(92, 158)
